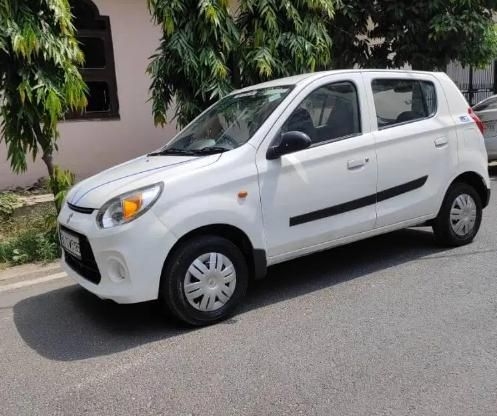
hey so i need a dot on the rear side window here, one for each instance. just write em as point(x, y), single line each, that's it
point(399, 101)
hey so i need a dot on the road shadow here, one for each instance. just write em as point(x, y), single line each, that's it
point(71, 324)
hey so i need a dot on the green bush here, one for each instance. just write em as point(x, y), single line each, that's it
point(60, 184)
point(32, 238)
point(29, 247)
point(8, 203)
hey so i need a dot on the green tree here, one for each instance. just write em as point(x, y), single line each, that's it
point(427, 34)
point(208, 49)
point(39, 80)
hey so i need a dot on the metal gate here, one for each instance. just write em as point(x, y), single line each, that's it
point(475, 84)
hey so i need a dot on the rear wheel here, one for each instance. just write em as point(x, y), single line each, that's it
point(459, 218)
point(205, 280)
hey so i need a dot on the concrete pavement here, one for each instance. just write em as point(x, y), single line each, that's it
point(28, 275)
point(394, 325)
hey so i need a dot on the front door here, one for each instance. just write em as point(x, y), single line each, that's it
point(320, 194)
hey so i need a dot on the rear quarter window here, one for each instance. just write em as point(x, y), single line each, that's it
point(400, 101)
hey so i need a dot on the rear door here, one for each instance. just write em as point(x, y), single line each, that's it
point(416, 144)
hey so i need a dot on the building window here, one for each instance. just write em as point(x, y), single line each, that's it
point(98, 71)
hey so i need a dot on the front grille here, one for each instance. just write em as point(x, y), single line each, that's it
point(87, 266)
point(81, 210)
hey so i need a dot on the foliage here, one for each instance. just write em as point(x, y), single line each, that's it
point(60, 183)
point(426, 34)
point(39, 77)
point(281, 38)
point(30, 238)
point(8, 203)
point(28, 247)
point(208, 49)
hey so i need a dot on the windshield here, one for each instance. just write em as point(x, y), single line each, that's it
point(230, 123)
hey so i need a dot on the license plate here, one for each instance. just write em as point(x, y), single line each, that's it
point(70, 243)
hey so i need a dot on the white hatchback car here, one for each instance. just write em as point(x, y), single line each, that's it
point(273, 172)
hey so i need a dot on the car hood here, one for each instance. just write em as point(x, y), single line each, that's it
point(145, 170)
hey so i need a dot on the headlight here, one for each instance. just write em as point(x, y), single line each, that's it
point(129, 206)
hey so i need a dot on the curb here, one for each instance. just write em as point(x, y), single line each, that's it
point(32, 282)
point(29, 271)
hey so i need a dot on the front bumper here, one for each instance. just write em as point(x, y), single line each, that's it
point(127, 259)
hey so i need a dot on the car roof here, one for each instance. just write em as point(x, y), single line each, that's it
point(309, 77)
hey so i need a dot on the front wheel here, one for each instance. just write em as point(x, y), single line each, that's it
point(460, 217)
point(205, 280)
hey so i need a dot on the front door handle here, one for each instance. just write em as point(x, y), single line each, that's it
point(441, 142)
point(357, 163)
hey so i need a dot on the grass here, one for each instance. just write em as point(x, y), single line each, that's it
point(28, 238)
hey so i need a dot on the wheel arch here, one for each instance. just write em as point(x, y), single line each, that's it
point(256, 258)
point(477, 182)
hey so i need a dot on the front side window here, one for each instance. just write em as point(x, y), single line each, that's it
point(399, 101)
point(328, 113)
point(230, 123)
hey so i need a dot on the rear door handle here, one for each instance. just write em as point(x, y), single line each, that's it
point(441, 142)
point(357, 163)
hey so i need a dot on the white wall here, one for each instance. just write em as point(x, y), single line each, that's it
point(86, 147)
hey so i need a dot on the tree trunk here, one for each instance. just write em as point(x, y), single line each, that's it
point(235, 71)
point(48, 159)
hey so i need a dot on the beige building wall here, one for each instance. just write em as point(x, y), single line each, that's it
point(86, 147)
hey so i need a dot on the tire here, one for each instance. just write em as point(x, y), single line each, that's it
point(465, 204)
point(204, 293)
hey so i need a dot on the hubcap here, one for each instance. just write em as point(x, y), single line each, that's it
point(463, 215)
point(210, 282)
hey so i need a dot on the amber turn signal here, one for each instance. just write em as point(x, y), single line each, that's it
point(131, 206)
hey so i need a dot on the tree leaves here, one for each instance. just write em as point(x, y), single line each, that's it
point(424, 34)
point(208, 49)
point(284, 38)
point(39, 77)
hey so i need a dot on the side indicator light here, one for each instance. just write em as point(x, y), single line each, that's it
point(131, 206)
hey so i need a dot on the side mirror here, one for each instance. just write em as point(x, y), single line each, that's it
point(291, 141)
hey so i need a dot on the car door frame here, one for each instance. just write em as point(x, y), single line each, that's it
point(402, 208)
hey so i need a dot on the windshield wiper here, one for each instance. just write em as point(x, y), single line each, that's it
point(210, 150)
point(173, 151)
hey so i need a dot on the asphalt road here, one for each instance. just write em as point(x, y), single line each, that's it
point(394, 325)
